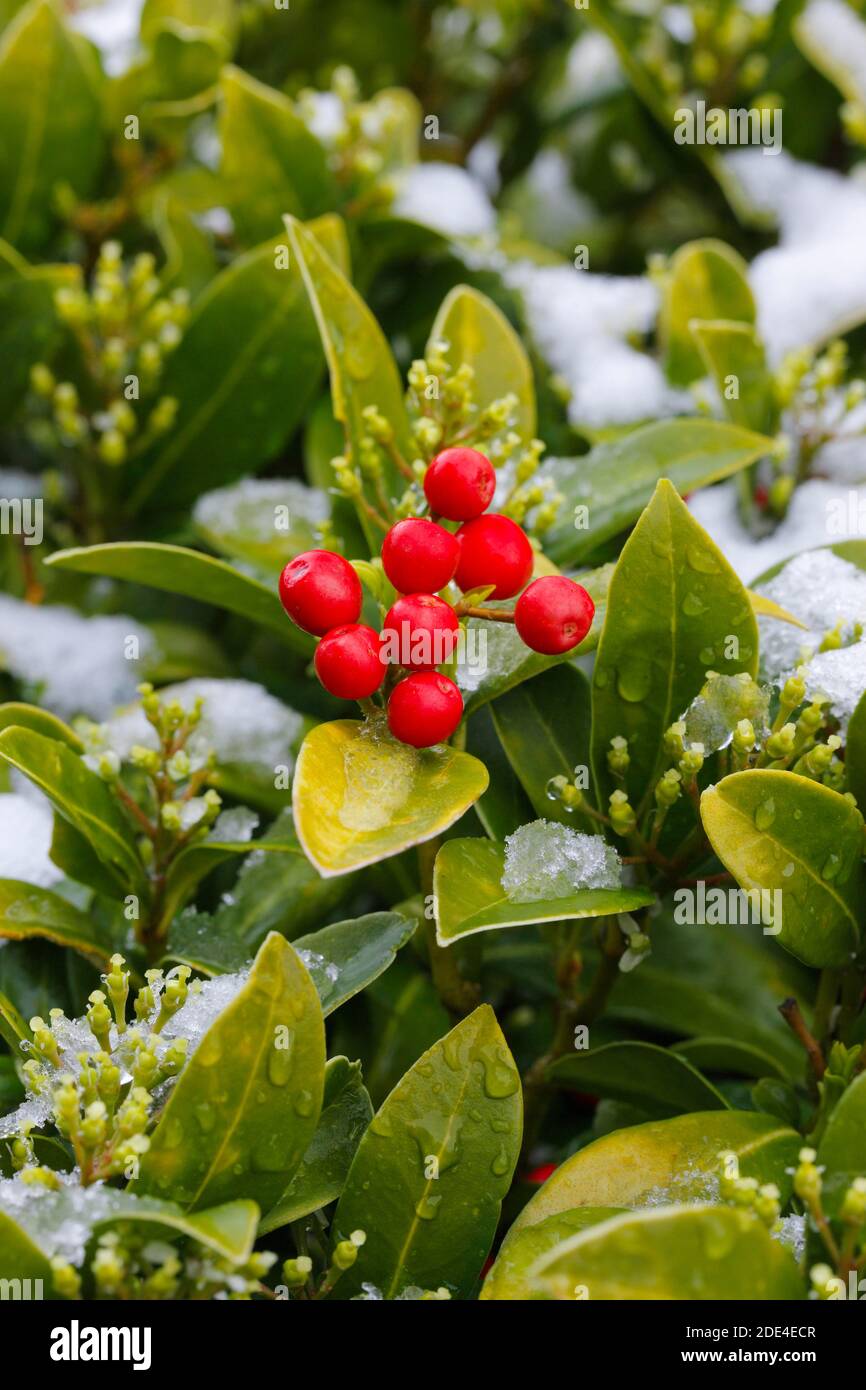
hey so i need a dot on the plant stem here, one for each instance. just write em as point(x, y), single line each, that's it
point(790, 1011)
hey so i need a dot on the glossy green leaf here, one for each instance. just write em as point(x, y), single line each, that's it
point(681, 1252)
point(801, 843)
point(508, 1278)
point(469, 897)
point(507, 661)
point(13, 1028)
point(361, 950)
point(406, 1017)
point(855, 752)
point(202, 856)
point(734, 357)
point(245, 1107)
point(346, 1113)
point(544, 725)
point(675, 609)
point(505, 805)
point(41, 721)
point(480, 336)
point(724, 980)
point(665, 1162)
point(657, 1080)
point(241, 522)
point(80, 796)
point(616, 480)
point(271, 163)
point(842, 1151)
point(50, 121)
point(360, 796)
point(190, 262)
point(727, 1055)
point(218, 16)
point(26, 911)
point(706, 280)
point(431, 1171)
point(177, 570)
point(20, 1256)
point(362, 369)
point(75, 856)
point(249, 333)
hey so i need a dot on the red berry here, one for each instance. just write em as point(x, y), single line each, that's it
point(419, 556)
point(420, 631)
point(320, 590)
point(554, 614)
point(494, 550)
point(424, 709)
point(541, 1173)
point(459, 484)
point(348, 662)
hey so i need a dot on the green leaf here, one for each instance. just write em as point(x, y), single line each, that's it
point(543, 725)
point(360, 796)
point(361, 950)
point(675, 608)
point(228, 1230)
point(362, 368)
point(218, 16)
point(26, 912)
point(245, 1107)
point(271, 163)
point(469, 897)
point(190, 262)
point(657, 1080)
point(706, 280)
point(81, 797)
point(734, 354)
point(855, 752)
point(724, 980)
point(842, 1151)
point(177, 570)
point(615, 481)
point(508, 662)
point(250, 332)
point(20, 1257)
point(686, 1252)
point(801, 842)
point(505, 805)
point(728, 1055)
point(839, 59)
point(202, 856)
point(479, 335)
point(665, 1162)
point(13, 1029)
point(346, 1113)
point(241, 522)
point(29, 327)
point(50, 121)
point(41, 721)
point(508, 1278)
point(456, 1114)
point(72, 853)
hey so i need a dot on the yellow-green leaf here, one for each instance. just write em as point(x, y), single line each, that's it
point(479, 335)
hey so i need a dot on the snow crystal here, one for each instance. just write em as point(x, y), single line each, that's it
point(446, 198)
point(592, 67)
point(580, 323)
point(820, 512)
point(834, 37)
point(113, 26)
point(248, 508)
point(26, 827)
point(791, 1231)
point(324, 115)
point(235, 825)
point(839, 677)
point(203, 1007)
point(546, 860)
point(240, 721)
point(58, 1222)
point(820, 589)
point(724, 700)
point(77, 665)
point(811, 286)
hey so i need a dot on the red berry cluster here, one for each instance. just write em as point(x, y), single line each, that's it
point(321, 592)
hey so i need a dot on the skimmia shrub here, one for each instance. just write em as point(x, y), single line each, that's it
point(432, 651)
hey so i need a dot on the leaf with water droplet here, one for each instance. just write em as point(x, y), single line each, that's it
point(428, 1189)
point(760, 824)
point(672, 598)
point(254, 1149)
